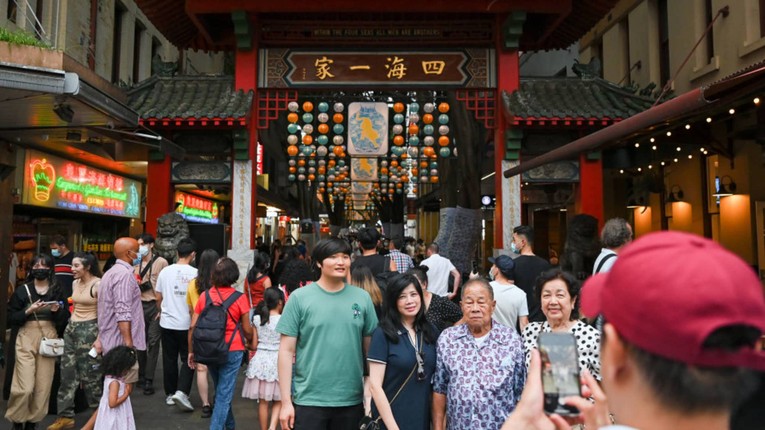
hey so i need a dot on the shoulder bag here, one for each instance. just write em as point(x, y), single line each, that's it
point(369, 423)
point(146, 286)
point(48, 347)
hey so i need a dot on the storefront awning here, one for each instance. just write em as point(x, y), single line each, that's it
point(687, 104)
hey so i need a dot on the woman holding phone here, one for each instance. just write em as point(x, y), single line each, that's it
point(36, 308)
point(402, 358)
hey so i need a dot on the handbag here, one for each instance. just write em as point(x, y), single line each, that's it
point(369, 423)
point(48, 347)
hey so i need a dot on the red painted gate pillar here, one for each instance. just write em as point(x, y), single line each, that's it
point(590, 191)
point(159, 191)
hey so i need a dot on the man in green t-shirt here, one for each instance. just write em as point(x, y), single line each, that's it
point(324, 326)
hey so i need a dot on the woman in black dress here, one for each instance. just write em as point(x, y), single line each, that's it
point(440, 311)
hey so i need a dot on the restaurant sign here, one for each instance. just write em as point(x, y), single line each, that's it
point(196, 209)
point(53, 182)
point(283, 68)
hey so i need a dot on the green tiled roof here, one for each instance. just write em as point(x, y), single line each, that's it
point(594, 98)
point(190, 97)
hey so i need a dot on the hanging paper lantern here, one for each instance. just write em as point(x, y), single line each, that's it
point(341, 163)
point(398, 140)
point(337, 118)
point(292, 169)
point(323, 107)
point(413, 129)
point(338, 128)
point(443, 140)
point(443, 107)
point(307, 129)
point(427, 118)
point(339, 150)
point(398, 118)
point(291, 177)
point(292, 128)
point(413, 151)
point(312, 162)
point(444, 152)
point(428, 151)
point(398, 107)
point(414, 107)
point(414, 118)
point(292, 106)
point(434, 179)
point(414, 141)
point(443, 118)
point(307, 139)
point(429, 107)
point(292, 150)
point(338, 107)
point(322, 139)
point(424, 179)
point(291, 162)
point(443, 130)
point(307, 106)
point(292, 117)
point(322, 117)
point(292, 139)
point(307, 150)
point(428, 129)
point(338, 140)
point(323, 128)
point(398, 129)
point(301, 170)
point(428, 141)
point(307, 117)
point(301, 178)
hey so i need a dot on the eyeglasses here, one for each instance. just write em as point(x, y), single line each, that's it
point(420, 365)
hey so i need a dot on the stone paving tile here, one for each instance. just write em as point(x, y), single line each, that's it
point(151, 412)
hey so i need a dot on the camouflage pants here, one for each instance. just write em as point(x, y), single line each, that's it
point(78, 367)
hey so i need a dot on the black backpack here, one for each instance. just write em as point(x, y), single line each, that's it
point(209, 336)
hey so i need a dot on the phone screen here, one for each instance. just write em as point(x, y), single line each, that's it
point(560, 371)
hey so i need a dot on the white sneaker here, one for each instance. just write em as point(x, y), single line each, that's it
point(169, 401)
point(182, 400)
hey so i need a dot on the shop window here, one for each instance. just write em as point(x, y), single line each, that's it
point(762, 18)
point(119, 17)
point(138, 34)
point(13, 9)
point(710, 38)
point(664, 73)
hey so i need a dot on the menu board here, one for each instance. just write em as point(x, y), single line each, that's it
point(196, 209)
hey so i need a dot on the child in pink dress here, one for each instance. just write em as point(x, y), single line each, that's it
point(115, 411)
point(262, 382)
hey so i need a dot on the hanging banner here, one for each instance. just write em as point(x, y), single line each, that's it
point(53, 182)
point(364, 169)
point(468, 68)
point(196, 209)
point(367, 129)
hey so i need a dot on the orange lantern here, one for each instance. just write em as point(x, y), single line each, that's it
point(338, 118)
point(383, 170)
point(398, 140)
point(292, 169)
point(292, 117)
point(393, 163)
point(434, 179)
point(331, 163)
point(443, 107)
point(292, 150)
point(413, 129)
point(427, 118)
point(338, 150)
point(404, 178)
point(323, 128)
point(398, 107)
point(308, 106)
point(321, 170)
point(429, 152)
point(308, 139)
point(311, 177)
point(424, 164)
point(301, 162)
point(443, 140)
point(415, 171)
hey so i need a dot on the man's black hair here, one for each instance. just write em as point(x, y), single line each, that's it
point(146, 238)
point(186, 246)
point(525, 231)
point(368, 238)
point(328, 247)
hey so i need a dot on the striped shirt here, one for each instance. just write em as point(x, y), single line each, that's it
point(403, 261)
point(119, 299)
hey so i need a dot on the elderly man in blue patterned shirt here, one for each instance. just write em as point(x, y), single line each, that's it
point(480, 370)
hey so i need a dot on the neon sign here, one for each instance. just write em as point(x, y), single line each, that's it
point(57, 183)
point(196, 209)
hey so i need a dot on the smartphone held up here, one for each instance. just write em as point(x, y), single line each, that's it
point(560, 371)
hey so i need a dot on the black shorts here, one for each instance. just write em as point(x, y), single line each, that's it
point(328, 418)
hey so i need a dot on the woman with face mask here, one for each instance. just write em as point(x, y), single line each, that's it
point(35, 308)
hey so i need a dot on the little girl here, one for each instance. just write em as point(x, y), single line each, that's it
point(262, 381)
point(115, 411)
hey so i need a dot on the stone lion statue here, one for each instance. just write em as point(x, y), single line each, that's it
point(171, 228)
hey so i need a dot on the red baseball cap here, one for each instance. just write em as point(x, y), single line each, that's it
point(668, 291)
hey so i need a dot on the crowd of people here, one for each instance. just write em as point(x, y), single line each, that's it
point(334, 338)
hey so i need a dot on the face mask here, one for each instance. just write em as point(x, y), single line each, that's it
point(514, 248)
point(143, 250)
point(55, 252)
point(137, 259)
point(40, 273)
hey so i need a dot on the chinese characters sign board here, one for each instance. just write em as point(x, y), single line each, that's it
point(463, 68)
point(53, 182)
point(196, 209)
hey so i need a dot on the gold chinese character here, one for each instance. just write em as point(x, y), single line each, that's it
point(396, 68)
point(361, 67)
point(433, 67)
point(322, 68)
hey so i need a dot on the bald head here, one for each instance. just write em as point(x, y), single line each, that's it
point(125, 249)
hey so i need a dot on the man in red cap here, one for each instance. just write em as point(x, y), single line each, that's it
point(682, 318)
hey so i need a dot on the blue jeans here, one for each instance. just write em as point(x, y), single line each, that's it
point(224, 377)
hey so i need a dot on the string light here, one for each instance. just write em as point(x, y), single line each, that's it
point(669, 133)
point(650, 166)
point(653, 140)
point(732, 111)
point(687, 126)
point(675, 160)
point(756, 101)
point(709, 119)
point(654, 147)
point(637, 145)
point(640, 169)
point(678, 149)
point(662, 163)
point(621, 171)
point(702, 149)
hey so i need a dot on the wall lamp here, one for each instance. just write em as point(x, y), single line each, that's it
point(675, 194)
point(726, 187)
point(636, 202)
point(64, 112)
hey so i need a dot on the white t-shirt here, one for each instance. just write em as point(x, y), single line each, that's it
point(173, 283)
point(604, 252)
point(511, 303)
point(438, 274)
